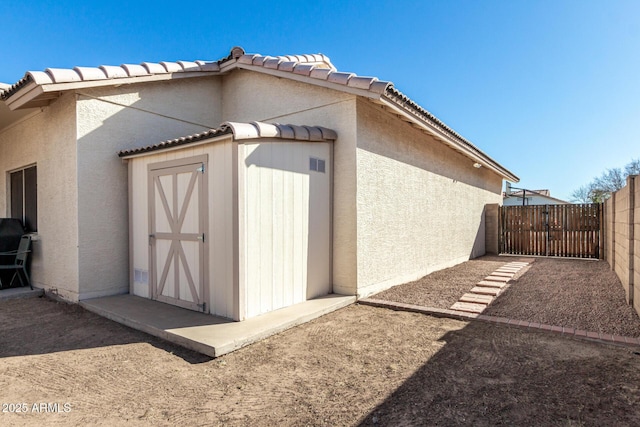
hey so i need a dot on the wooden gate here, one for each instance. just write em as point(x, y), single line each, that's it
point(552, 230)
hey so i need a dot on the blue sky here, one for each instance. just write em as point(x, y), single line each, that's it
point(550, 89)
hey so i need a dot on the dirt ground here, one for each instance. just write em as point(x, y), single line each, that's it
point(441, 289)
point(357, 366)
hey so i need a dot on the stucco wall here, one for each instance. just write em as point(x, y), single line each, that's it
point(420, 204)
point(47, 139)
point(125, 117)
point(251, 96)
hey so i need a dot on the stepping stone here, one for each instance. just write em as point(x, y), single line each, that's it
point(487, 284)
point(468, 307)
point(497, 279)
point(475, 298)
point(486, 291)
point(502, 274)
point(517, 264)
point(509, 270)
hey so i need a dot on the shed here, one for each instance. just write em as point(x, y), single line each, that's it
point(234, 221)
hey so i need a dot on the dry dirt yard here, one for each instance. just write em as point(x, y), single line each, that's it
point(357, 366)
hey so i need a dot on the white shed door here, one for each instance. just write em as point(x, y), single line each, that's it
point(177, 203)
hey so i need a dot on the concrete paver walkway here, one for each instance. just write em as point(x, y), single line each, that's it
point(486, 290)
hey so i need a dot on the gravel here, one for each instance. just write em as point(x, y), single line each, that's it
point(580, 294)
point(443, 288)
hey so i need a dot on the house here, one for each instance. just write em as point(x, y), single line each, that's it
point(237, 186)
point(530, 197)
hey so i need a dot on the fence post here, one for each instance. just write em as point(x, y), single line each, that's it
point(631, 220)
point(491, 228)
point(612, 260)
point(601, 231)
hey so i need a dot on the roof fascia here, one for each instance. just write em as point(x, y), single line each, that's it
point(479, 157)
point(32, 90)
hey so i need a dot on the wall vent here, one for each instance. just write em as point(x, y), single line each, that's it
point(140, 276)
point(317, 165)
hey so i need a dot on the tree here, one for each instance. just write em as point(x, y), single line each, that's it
point(633, 168)
point(581, 195)
point(610, 181)
point(601, 188)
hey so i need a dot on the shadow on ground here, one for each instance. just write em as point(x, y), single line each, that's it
point(41, 326)
point(497, 375)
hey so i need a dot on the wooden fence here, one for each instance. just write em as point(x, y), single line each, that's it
point(552, 230)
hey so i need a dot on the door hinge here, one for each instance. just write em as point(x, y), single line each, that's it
point(201, 168)
point(201, 237)
point(203, 306)
point(151, 237)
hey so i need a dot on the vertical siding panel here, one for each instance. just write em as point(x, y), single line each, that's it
point(288, 234)
point(254, 242)
point(265, 229)
point(299, 278)
point(218, 225)
point(230, 179)
point(277, 224)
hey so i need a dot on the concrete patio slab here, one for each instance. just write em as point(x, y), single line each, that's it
point(24, 292)
point(204, 333)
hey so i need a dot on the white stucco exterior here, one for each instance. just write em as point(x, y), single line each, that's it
point(47, 139)
point(410, 218)
point(403, 202)
point(110, 119)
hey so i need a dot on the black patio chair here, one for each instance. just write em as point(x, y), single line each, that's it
point(19, 264)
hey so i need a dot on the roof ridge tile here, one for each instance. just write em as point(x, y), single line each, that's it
point(171, 67)
point(340, 77)
point(154, 68)
point(90, 73)
point(114, 71)
point(134, 70)
point(189, 66)
point(63, 75)
point(320, 73)
point(303, 69)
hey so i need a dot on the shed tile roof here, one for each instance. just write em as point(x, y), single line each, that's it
point(243, 131)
